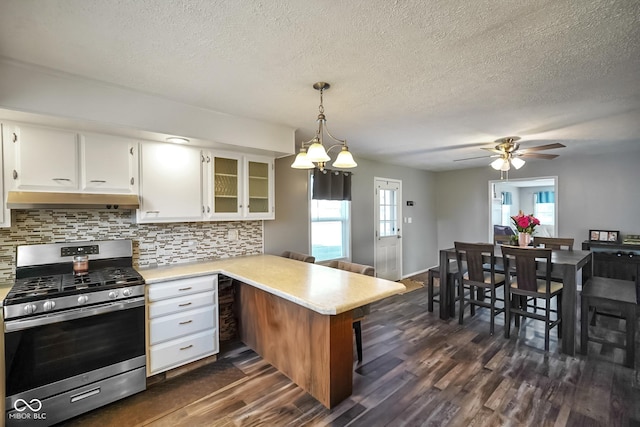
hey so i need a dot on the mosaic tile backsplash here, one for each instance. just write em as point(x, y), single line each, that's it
point(153, 244)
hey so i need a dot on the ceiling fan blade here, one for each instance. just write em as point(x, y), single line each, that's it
point(473, 158)
point(543, 147)
point(538, 155)
point(493, 150)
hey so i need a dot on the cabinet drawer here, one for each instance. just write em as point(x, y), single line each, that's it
point(185, 303)
point(180, 351)
point(181, 324)
point(178, 288)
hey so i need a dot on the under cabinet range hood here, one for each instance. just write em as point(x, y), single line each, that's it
point(46, 200)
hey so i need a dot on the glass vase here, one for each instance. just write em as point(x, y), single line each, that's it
point(524, 239)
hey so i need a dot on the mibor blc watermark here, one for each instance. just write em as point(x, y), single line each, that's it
point(27, 410)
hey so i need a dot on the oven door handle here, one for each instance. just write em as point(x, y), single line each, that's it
point(78, 313)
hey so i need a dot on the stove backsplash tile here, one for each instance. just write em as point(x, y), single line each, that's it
point(153, 244)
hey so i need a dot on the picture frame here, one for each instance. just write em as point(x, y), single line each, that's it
point(610, 236)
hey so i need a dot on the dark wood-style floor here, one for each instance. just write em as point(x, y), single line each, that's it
point(417, 370)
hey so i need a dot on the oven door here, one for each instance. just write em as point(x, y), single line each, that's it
point(48, 352)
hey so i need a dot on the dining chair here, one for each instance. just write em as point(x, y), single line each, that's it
point(613, 295)
point(470, 258)
point(434, 273)
point(360, 312)
point(555, 243)
point(298, 256)
point(522, 266)
point(558, 243)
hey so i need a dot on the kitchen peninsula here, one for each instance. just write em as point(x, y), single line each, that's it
point(296, 315)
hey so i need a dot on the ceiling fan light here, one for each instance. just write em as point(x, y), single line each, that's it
point(506, 166)
point(497, 163)
point(517, 162)
point(302, 161)
point(317, 153)
point(344, 159)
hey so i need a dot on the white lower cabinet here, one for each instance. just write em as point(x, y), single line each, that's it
point(182, 322)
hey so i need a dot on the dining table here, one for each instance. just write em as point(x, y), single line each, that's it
point(564, 264)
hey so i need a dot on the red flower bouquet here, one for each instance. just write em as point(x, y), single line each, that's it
point(525, 223)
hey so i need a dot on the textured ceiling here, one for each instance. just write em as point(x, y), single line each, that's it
point(419, 82)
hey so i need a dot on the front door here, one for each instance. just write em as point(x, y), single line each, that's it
point(388, 212)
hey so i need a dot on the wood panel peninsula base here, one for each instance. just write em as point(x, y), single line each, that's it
point(295, 315)
point(314, 350)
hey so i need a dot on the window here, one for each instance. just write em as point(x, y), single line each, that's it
point(544, 207)
point(330, 225)
point(388, 207)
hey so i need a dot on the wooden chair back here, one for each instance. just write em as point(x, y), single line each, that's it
point(299, 256)
point(557, 243)
point(526, 263)
point(474, 256)
point(353, 267)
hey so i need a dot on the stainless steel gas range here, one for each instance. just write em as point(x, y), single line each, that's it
point(74, 330)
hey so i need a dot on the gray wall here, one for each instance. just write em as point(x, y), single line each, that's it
point(290, 229)
point(594, 192)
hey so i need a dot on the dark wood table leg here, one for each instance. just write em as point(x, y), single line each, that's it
point(444, 285)
point(569, 292)
point(630, 320)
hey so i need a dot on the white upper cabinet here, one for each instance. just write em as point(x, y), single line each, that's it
point(239, 187)
point(170, 183)
point(45, 159)
point(225, 186)
point(259, 199)
point(5, 214)
point(109, 164)
point(39, 158)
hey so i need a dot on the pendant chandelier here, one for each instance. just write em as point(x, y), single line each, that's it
point(313, 152)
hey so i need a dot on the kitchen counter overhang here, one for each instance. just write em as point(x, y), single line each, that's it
point(325, 290)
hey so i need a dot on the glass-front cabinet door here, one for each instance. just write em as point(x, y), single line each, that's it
point(227, 196)
point(259, 183)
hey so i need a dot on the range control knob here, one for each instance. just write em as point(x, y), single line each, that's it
point(113, 294)
point(48, 305)
point(30, 308)
point(126, 292)
point(82, 299)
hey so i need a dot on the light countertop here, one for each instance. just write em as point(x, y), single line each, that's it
point(319, 288)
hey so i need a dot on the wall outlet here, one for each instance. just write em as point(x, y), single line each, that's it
point(232, 234)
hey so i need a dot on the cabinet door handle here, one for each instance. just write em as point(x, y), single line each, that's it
point(15, 137)
point(131, 150)
point(208, 209)
point(153, 212)
point(185, 289)
point(61, 179)
point(131, 180)
point(184, 305)
point(98, 180)
point(15, 174)
point(187, 347)
point(186, 322)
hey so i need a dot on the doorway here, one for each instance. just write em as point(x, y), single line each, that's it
point(388, 237)
point(537, 196)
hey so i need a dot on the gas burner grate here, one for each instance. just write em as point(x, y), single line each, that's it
point(85, 281)
point(34, 286)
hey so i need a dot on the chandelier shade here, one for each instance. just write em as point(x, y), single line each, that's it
point(504, 163)
point(313, 153)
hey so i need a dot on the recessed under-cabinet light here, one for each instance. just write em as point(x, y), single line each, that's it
point(177, 140)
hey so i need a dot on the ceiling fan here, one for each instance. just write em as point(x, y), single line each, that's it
point(508, 153)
